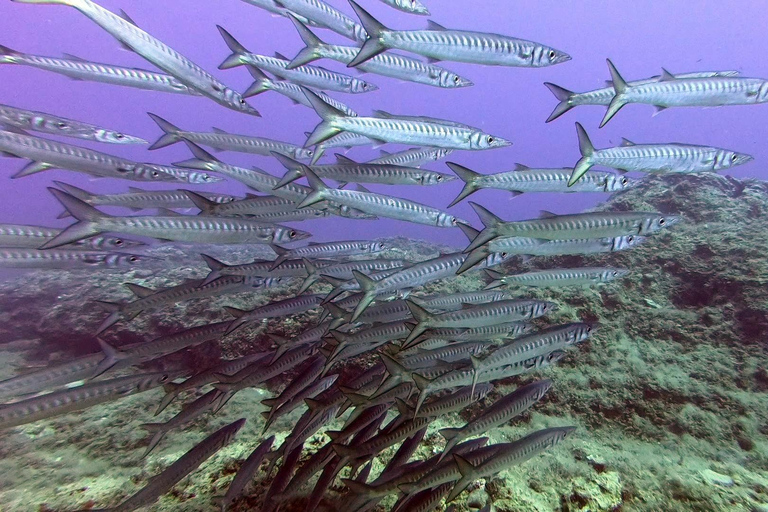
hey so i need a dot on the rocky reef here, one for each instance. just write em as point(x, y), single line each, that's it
point(670, 396)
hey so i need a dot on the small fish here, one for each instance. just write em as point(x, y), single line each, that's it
point(281, 308)
point(328, 250)
point(525, 179)
point(181, 228)
point(323, 15)
point(81, 69)
point(662, 158)
point(439, 43)
point(308, 76)
point(414, 157)
point(55, 125)
point(21, 236)
point(391, 65)
point(245, 474)
point(125, 30)
point(68, 259)
point(442, 134)
point(410, 6)
point(569, 99)
point(275, 8)
point(557, 277)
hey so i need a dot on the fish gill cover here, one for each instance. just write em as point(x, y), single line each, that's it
point(619, 344)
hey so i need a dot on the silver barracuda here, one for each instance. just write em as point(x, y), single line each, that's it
point(569, 99)
point(661, 158)
point(48, 154)
point(414, 157)
point(323, 15)
point(440, 43)
point(557, 277)
point(180, 228)
point(315, 270)
point(158, 53)
point(328, 250)
point(56, 125)
point(81, 69)
point(391, 65)
point(670, 91)
point(275, 8)
point(309, 76)
point(525, 179)
point(410, 6)
point(282, 308)
point(222, 140)
point(436, 133)
point(68, 259)
point(551, 226)
point(31, 237)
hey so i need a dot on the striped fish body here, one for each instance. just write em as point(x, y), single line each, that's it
point(552, 180)
point(49, 154)
point(171, 343)
point(78, 398)
point(410, 6)
point(282, 308)
point(263, 268)
point(666, 158)
point(472, 47)
point(342, 140)
point(293, 91)
point(565, 277)
point(501, 311)
point(336, 249)
point(183, 175)
point(138, 199)
point(55, 125)
point(386, 174)
point(311, 76)
point(533, 247)
point(702, 92)
point(294, 216)
point(378, 333)
point(50, 377)
point(161, 55)
point(449, 354)
point(323, 15)
point(66, 259)
point(21, 236)
point(80, 69)
point(220, 139)
point(415, 157)
point(487, 332)
point(458, 300)
point(271, 6)
point(261, 205)
point(344, 270)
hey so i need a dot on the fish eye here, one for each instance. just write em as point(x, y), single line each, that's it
point(456, 79)
point(133, 258)
point(551, 54)
point(624, 181)
point(615, 273)
point(242, 101)
point(733, 157)
point(118, 242)
point(439, 178)
point(164, 378)
point(630, 239)
point(662, 221)
point(504, 255)
point(490, 139)
point(119, 136)
point(292, 233)
point(155, 174)
point(62, 124)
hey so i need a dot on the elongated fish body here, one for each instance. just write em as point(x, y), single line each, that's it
point(484, 333)
point(603, 96)
point(330, 250)
point(274, 8)
point(282, 308)
point(310, 76)
point(165, 480)
point(344, 270)
point(182, 175)
point(158, 53)
point(23, 236)
point(435, 133)
point(661, 158)
point(323, 15)
point(440, 43)
point(572, 226)
point(349, 171)
point(293, 216)
point(67, 259)
point(290, 90)
point(80, 69)
point(48, 154)
point(251, 206)
point(78, 398)
point(558, 277)
point(525, 179)
point(222, 140)
point(508, 455)
point(534, 247)
point(249, 466)
point(414, 157)
point(56, 125)
point(391, 65)
point(410, 6)
point(50, 377)
point(138, 199)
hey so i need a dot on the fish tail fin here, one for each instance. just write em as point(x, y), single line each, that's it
point(585, 145)
point(88, 218)
point(7, 55)
point(281, 255)
point(235, 59)
point(294, 169)
point(470, 232)
point(468, 176)
point(112, 319)
point(619, 98)
point(562, 94)
point(374, 28)
point(159, 434)
point(325, 130)
point(261, 82)
point(582, 166)
point(357, 487)
point(489, 219)
point(170, 132)
point(202, 159)
point(310, 52)
point(32, 167)
point(467, 471)
point(216, 267)
point(205, 205)
point(474, 257)
point(74, 191)
point(318, 188)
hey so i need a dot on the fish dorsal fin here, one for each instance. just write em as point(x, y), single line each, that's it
point(248, 195)
point(666, 76)
point(431, 25)
point(344, 160)
point(521, 167)
point(280, 56)
point(136, 190)
point(382, 114)
point(361, 188)
point(384, 153)
point(127, 18)
point(139, 291)
point(546, 214)
point(165, 212)
point(626, 142)
point(307, 134)
point(218, 130)
point(432, 60)
point(467, 305)
point(73, 57)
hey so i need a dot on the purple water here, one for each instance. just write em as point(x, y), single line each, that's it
point(640, 38)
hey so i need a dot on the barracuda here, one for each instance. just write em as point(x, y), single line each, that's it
point(282, 308)
point(80, 69)
point(557, 277)
point(414, 157)
point(525, 179)
point(158, 53)
point(323, 15)
point(21, 236)
point(391, 65)
point(328, 250)
point(436, 133)
point(69, 259)
point(309, 76)
point(55, 125)
point(569, 99)
point(440, 43)
point(410, 6)
point(662, 158)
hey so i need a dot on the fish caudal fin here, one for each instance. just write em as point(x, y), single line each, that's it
point(310, 52)
point(562, 94)
point(372, 45)
point(170, 132)
point(468, 176)
point(619, 98)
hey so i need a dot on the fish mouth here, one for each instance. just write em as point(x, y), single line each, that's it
point(128, 139)
point(301, 235)
point(447, 178)
point(501, 143)
point(464, 82)
point(743, 159)
point(369, 87)
point(561, 57)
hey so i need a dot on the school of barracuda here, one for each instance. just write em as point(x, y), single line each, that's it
point(434, 354)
